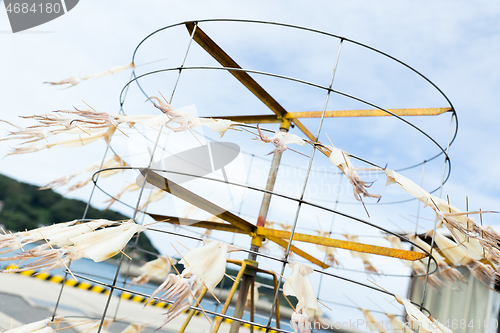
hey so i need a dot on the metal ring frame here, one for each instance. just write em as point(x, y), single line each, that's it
point(135, 78)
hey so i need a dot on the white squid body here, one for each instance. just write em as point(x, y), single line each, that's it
point(418, 266)
point(206, 263)
point(114, 161)
point(409, 186)
point(96, 245)
point(41, 326)
point(439, 205)
point(16, 240)
point(280, 140)
point(448, 273)
point(149, 120)
point(340, 158)
point(131, 187)
point(288, 138)
point(105, 243)
point(204, 267)
point(75, 80)
point(458, 256)
point(111, 71)
point(451, 250)
point(446, 213)
point(217, 125)
point(299, 286)
point(62, 237)
point(417, 317)
point(158, 268)
point(81, 139)
point(439, 258)
point(156, 195)
point(57, 234)
point(343, 161)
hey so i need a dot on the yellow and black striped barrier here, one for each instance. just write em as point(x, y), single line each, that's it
point(104, 290)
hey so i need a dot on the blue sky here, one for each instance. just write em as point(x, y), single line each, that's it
point(454, 43)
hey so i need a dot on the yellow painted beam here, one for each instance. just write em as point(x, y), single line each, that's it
point(267, 118)
point(225, 60)
point(353, 246)
point(169, 186)
point(281, 234)
point(197, 223)
point(283, 243)
point(369, 113)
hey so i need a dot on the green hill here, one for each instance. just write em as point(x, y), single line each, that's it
point(24, 206)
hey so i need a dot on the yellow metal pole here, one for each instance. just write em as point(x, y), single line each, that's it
point(218, 322)
point(262, 232)
point(246, 282)
point(284, 243)
point(169, 186)
point(248, 279)
point(276, 287)
point(252, 304)
point(192, 311)
point(267, 118)
point(368, 113)
point(275, 235)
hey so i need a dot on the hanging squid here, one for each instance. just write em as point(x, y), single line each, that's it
point(418, 319)
point(299, 286)
point(131, 187)
point(280, 140)
point(158, 268)
point(111, 162)
point(156, 195)
point(15, 241)
point(458, 256)
point(172, 115)
point(448, 273)
point(75, 80)
point(74, 141)
point(342, 160)
point(418, 266)
point(96, 245)
point(217, 125)
point(204, 267)
point(452, 217)
point(55, 235)
point(87, 126)
point(41, 326)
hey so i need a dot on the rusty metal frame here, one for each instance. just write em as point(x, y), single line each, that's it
point(284, 117)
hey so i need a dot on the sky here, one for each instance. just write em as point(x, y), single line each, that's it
point(455, 44)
